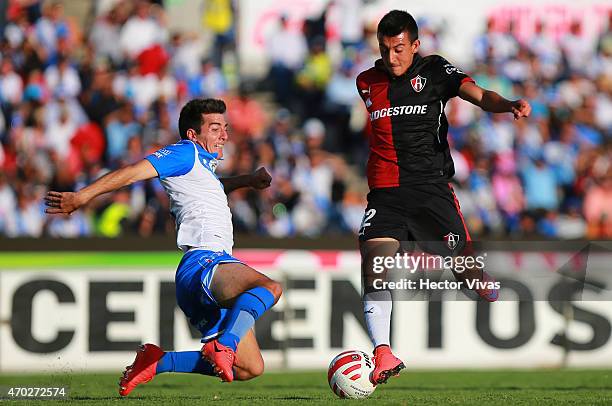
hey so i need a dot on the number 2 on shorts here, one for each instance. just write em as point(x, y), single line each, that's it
point(365, 222)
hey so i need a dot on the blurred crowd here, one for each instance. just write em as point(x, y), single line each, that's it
point(78, 101)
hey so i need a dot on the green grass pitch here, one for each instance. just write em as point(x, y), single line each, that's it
point(538, 387)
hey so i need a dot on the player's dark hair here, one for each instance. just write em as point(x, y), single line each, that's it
point(191, 114)
point(397, 21)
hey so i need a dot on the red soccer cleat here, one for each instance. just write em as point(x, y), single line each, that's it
point(222, 359)
point(490, 295)
point(386, 365)
point(142, 369)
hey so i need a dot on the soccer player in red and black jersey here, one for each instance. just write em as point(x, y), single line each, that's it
point(410, 166)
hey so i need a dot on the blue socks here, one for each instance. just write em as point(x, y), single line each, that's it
point(249, 306)
point(184, 361)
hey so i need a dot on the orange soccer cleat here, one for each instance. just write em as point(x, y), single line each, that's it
point(386, 365)
point(142, 369)
point(222, 359)
point(490, 295)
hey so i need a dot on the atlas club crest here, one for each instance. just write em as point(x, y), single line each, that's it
point(418, 83)
point(452, 240)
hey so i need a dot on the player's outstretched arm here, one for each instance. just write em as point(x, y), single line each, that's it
point(67, 202)
point(260, 179)
point(492, 102)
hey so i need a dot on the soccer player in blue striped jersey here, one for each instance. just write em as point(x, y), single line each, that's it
point(220, 295)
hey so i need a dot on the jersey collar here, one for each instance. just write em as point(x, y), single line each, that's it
point(203, 152)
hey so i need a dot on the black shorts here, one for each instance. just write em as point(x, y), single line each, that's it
point(428, 214)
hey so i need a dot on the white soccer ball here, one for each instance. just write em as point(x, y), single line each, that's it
point(349, 375)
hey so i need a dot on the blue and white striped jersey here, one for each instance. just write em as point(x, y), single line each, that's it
point(197, 200)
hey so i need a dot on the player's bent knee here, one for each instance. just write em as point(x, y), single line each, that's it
point(253, 370)
point(275, 288)
point(257, 368)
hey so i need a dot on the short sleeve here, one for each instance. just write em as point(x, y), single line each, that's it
point(173, 160)
point(453, 78)
point(362, 87)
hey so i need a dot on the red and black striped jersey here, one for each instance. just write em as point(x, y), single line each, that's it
point(408, 126)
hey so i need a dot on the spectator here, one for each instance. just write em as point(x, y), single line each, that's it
point(341, 98)
point(100, 100)
point(112, 217)
point(219, 18)
point(547, 54)
point(484, 198)
point(63, 79)
point(350, 15)
point(186, 52)
point(577, 48)
point(210, 82)
point(121, 127)
point(540, 186)
point(598, 208)
point(60, 133)
point(508, 191)
point(496, 45)
point(69, 226)
point(106, 34)
point(11, 84)
point(51, 27)
point(140, 31)
point(8, 204)
point(28, 217)
point(313, 78)
point(247, 116)
point(287, 50)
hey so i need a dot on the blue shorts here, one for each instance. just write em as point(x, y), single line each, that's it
point(193, 278)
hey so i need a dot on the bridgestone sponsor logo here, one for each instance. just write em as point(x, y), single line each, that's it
point(398, 111)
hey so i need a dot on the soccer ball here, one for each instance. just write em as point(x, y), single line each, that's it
point(349, 375)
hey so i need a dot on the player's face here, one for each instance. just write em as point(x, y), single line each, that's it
point(213, 133)
point(397, 52)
